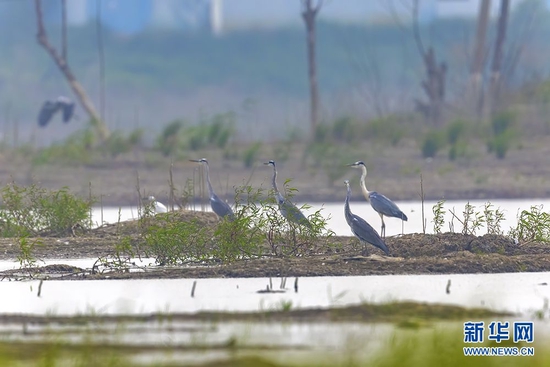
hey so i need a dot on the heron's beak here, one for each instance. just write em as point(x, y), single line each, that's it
point(266, 163)
point(145, 199)
point(194, 160)
point(351, 165)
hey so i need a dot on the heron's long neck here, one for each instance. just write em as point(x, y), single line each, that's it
point(274, 183)
point(210, 190)
point(363, 182)
point(347, 210)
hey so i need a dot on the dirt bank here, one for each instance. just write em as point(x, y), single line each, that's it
point(337, 256)
point(395, 171)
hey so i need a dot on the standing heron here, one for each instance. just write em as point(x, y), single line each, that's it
point(360, 228)
point(50, 108)
point(381, 204)
point(286, 207)
point(154, 204)
point(220, 207)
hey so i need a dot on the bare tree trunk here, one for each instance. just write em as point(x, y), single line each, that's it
point(434, 85)
point(64, 30)
point(61, 62)
point(309, 12)
point(494, 86)
point(475, 93)
point(101, 54)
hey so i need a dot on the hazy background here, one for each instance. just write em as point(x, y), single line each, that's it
point(183, 59)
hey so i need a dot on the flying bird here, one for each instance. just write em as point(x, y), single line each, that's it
point(50, 108)
point(220, 207)
point(381, 204)
point(156, 205)
point(287, 208)
point(360, 228)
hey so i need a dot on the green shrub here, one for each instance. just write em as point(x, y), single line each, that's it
point(432, 143)
point(503, 122)
point(172, 241)
point(504, 134)
point(385, 130)
point(500, 144)
point(257, 229)
point(169, 139)
point(221, 129)
point(250, 155)
point(345, 130)
point(322, 134)
point(117, 144)
point(458, 150)
point(330, 159)
point(242, 237)
point(533, 226)
point(76, 149)
point(34, 210)
point(197, 137)
point(455, 131)
point(286, 238)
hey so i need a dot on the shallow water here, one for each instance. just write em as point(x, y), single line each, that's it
point(514, 292)
point(334, 212)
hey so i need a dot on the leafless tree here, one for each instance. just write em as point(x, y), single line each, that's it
point(491, 104)
point(309, 13)
point(61, 62)
point(475, 93)
point(434, 84)
point(101, 54)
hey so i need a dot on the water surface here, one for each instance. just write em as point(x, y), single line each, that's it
point(334, 213)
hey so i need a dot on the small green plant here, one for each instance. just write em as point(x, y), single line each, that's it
point(493, 218)
point(285, 305)
point(26, 256)
point(533, 226)
point(471, 220)
point(439, 216)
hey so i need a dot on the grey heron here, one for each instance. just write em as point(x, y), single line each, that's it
point(50, 108)
point(220, 207)
point(360, 228)
point(286, 207)
point(381, 204)
point(154, 204)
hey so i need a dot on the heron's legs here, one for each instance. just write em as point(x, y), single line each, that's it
point(383, 229)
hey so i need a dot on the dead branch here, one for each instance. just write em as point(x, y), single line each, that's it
point(434, 84)
point(61, 63)
point(309, 13)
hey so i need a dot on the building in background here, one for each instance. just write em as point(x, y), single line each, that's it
point(218, 16)
point(127, 17)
